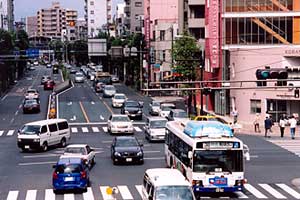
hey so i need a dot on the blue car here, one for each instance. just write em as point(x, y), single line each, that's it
point(70, 173)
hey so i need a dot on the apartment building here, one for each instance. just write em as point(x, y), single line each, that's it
point(96, 16)
point(7, 15)
point(81, 29)
point(31, 26)
point(109, 11)
point(120, 19)
point(134, 11)
point(69, 33)
point(51, 21)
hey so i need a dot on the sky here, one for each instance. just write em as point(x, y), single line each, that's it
point(24, 8)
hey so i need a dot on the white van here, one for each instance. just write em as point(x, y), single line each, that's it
point(166, 184)
point(44, 133)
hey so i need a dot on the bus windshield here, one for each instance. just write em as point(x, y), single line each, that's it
point(218, 161)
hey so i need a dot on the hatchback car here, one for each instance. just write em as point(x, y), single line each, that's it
point(118, 100)
point(70, 173)
point(133, 109)
point(154, 108)
point(155, 128)
point(45, 79)
point(31, 106)
point(32, 94)
point(109, 91)
point(49, 85)
point(165, 109)
point(120, 124)
point(79, 78)
point(127, 149)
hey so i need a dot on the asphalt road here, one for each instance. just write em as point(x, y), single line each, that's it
point(28, 175)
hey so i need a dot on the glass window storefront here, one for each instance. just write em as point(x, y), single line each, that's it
point(258, 5)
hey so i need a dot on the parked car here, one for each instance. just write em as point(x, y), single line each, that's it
point(109, 91)
point(118, 100)
point(49, 85)
point(155, 128)
point(45, 79)
point(31, 106)
point(79, 78)
point(115, 79)
point(82, 151)
point(165, 109)
point(133, 109)
point(119, 124)
point(32, 94)
point(127, 149)
point(154, 108)
point(178, 115)
point(70, 173)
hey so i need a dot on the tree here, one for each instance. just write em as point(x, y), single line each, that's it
point(57, 46)
point(21, 40)
point(80, 49)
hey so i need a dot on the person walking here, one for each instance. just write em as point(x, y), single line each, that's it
point(268, 126)
point(293, 124)
point(256, 123)
point(282, 123)
point(235, 116)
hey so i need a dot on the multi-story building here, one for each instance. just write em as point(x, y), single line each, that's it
point(51, 21)
point(31, 26)
point(120, 19)
point(134, 11)
point(109, 11)
point(69, 33)
point(261, 36)
point(96, 16)
point(7, 14)
point(81, 29)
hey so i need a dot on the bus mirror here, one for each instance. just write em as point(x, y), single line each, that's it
point(190, 154)
point(246, 152)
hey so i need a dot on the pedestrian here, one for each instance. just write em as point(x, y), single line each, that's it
point(256, 123)
point(293, 124)
point(235, 116)
point(268, 126)
point(282, 124)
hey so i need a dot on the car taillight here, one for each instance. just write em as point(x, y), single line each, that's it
point(54, 175)
point(83, 174)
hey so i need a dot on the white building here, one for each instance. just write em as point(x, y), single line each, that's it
point(7, 14)
point(96, 16)
point(120, 17)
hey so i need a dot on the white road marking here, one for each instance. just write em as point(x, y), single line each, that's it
point(137, 129)
point(104, 195)
point(16, 113)
point(272, 191)
point(37, 163)
point(41, 156)
point(12, 120)
point(49, 194)
point(3, 98)
point(154, 158)
point(89, 194)
point(1, 133)
point(139, 189)
point(85, 129)
point(10, 132)
point(74, 130)
point(289, 190)
point(12, 195)
point(104, 129)
point(125, 193)
point(31, 194)
point(241, 195)
point(151, 151)
point(254, 191)
point(95, 129)
point(69, 197)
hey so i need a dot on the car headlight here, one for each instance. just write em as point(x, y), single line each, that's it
point(139, 111)
point(126, 112)
point(19, 139)
point(139, 153)
point(117, 154)
point(36, 140)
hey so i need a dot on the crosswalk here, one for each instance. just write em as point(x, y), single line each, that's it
point(261, 191)
point(7, 132)
point(288, 144)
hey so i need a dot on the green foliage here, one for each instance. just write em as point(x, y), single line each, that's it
point(102, 35)
point(80, 51)
point(21, 40)
point(57, 46)
point(5, 42)
point(184, 52)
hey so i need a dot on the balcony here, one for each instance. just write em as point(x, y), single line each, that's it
point(127, 21)
point(126, 9)
point(196, 2)
point(196, 22)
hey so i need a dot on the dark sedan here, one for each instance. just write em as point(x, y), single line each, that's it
point(31, 105)
point(133, 109)
point(127, 149)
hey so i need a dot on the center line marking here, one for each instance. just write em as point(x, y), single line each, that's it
point(84, 113)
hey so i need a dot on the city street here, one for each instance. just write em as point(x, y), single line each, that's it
point(28, 175)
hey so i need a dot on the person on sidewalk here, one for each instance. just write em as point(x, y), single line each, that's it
point(256, 123)
point(268, 126)
point(293, 124)
point(282, 123)
point(235, 115)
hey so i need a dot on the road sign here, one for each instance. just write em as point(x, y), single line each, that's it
point(32, 53)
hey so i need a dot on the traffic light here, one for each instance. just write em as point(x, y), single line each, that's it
point(268, 73)
point(296, 93)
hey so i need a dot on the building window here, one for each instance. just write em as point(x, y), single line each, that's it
point(92, 3)
point(138, 4)
point(92, 12)
point(154, 36)
point(92, 21)
point(162, 35)
point(255, 106)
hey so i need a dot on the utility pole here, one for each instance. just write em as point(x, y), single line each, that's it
point(201, 79)
point(141, 65)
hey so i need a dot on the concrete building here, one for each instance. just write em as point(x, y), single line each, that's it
point(134, 11)
point(81, 29)
point(96, 16)
point(69, 33)
point(7, 14)
point(31, 26)
point(120, 20)
point(262, 36)
point(109, 11)
point(51, 21)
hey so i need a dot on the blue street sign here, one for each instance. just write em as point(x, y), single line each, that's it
point(32, 53)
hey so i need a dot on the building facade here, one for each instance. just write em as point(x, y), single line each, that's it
point(31, 26)
point(120, 20)
point(96, 16)
point(7, 15)
point(81, 29)
point(134, 11)
point(69, 33)
point(109, 11)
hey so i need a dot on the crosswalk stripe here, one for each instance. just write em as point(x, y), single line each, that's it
point(49, 194)
point(137, 129)
point(31, 195)
point(272, 191)
point(74, 130)
point(125, 193)
point(69, 197)
point(95, 129)
point(104, 195)
point(241, 195)
point(1, 133)
point(289, 190)
point(139, 189)
point(12, 195)
point(89, 194)
point(85, 129)
point(254, 191)
point(104, 129)
point(10, 132)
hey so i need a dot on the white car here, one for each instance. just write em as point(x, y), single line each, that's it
point(79, 78)
point(165, 109)
point(120, 124)
point(155, 128)
point(109, 91)
point(92, 75)
point(32, 94)
point(82, 151)
point(118, 100)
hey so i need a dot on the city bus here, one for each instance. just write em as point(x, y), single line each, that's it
point(207, 154)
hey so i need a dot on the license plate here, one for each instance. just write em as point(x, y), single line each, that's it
point(219, 190)
point(128, 159)
point(69, 178)
point(26, 146)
